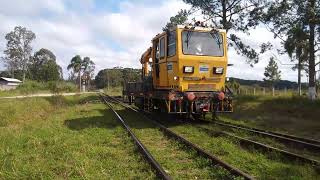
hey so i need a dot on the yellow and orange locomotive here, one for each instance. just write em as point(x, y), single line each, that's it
point(184, 72)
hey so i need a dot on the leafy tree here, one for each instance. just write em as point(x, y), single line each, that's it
point(234, 16)
point(11, 65)
point(18, 50)
point(116, 76)
point(234, 85)
point(76, 65)
point(43, 66)
point(180, 18)
point(297, 47)
point(88, 70)
point(271, 72)
point(283, 17)
point(4, 74)
point(85, 66)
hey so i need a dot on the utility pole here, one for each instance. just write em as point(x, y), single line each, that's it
point(299, 77)
point(80, 80)
point(108, 79)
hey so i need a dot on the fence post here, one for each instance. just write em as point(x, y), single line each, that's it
point(254, 91)
point(272, 91)
point(285, 91)
point(246, 91)
point(264, 91)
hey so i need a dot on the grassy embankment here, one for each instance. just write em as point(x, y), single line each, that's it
point(34, 87)
point(114, 91)
point(248, 159)
point(293, 115)
point(62, 137)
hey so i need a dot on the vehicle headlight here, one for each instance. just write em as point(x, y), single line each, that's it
point(188, 69)
point(218, 70)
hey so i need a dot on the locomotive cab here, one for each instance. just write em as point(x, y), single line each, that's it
point(188, 71)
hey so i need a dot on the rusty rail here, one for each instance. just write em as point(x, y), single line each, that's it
point(143, 150)
point(214, 160)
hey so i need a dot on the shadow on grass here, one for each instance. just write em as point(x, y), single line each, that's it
point(108, 120)
point(59, 100)
point(89, 122)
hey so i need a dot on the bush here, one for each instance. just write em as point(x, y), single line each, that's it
point(29, 87)
point(57, 87)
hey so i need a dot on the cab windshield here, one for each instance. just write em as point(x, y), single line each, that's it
point(202, 43)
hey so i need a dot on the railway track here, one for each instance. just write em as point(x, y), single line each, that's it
point(143, 150)
point(262, 146)
point(298, 142)
point(170, 134)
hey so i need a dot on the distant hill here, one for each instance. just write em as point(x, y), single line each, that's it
point(279, 85)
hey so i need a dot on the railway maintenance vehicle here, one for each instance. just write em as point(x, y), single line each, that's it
point(184, 73)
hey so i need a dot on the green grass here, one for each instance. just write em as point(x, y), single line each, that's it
point(252, 161)
point(180, 162)
point(292, 115)
point(34, 87)
point(219, 131)
point(63, 138)
point(76, 138)
point(114, 91)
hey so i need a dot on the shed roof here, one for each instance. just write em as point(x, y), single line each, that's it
point(11, 79)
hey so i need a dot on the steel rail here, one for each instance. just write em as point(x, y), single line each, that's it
point(215, 160)
point(143, 150)
point(256, 144)
point(280, 137)
point(311, 141)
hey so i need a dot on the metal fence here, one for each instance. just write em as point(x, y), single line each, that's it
point(262, 91)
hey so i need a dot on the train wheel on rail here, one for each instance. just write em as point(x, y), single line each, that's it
point(138, 101)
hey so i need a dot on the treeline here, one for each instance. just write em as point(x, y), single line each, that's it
point(116, 76)
point(281, 84)
point(21, 64)
point(41, 66)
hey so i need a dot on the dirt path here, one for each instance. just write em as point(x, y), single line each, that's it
point(43, 95)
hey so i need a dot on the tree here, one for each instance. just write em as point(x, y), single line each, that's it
point(11, 65)
point(233, 16)
point(18, 50)
point(88, 70)
point(271, 72)
point(296, 46)
point(76, 65)
point(4, 74)
point(180, 18)
point(116, 76)
point(283, 16)
point(234, 85)
point(85, 66)
point(43, 66)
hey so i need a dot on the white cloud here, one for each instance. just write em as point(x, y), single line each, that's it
point(30, 7)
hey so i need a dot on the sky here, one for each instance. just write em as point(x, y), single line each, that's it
point(115, 32)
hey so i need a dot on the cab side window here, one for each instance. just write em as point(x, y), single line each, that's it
point(157, 57)
point(171, 43)
point(162, 47)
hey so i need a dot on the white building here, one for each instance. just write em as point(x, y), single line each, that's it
point(9, 83)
